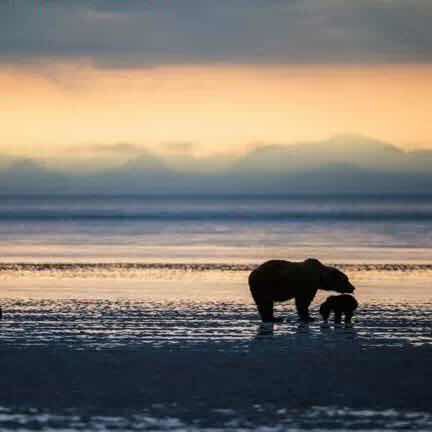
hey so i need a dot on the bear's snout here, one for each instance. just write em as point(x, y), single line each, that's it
point(350, 288)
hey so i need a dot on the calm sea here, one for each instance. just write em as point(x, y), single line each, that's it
point(245, 229)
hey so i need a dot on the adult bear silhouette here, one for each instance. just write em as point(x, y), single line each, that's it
point(278, 281)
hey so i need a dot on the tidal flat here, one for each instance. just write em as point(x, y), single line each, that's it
point(149, 360)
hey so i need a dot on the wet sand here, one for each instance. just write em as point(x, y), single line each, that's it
point(185, 351)
point(206, 364)
point(199, 380)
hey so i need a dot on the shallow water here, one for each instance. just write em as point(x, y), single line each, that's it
point(86, 306)
point(192, 281)
point(236, 229)
point(103, 324)
point(259, 418)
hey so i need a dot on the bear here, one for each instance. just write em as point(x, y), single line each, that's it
point(279, 280)
point(343, 304)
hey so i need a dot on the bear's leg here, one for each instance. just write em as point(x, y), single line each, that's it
point(337, 317)
point(302, 305)
point(348, 318)
point(265, 309)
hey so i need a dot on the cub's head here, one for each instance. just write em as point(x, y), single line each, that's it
point(333, 279)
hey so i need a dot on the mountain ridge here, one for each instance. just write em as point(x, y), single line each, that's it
point(325, 166)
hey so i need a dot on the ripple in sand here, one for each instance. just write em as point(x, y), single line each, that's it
point(269, 419)
point(102, 324)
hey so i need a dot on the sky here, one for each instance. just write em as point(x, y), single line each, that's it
point(106, 78)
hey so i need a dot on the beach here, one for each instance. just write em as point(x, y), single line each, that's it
point(186, 351)
point(209, 386)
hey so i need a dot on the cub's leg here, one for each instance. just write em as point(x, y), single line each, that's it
point(348, 318)
point(337, 317)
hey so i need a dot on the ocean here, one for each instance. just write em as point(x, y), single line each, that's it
point(231, 229)
point(106, 298)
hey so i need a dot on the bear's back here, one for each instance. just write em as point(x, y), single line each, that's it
point(343, 302)
point(280, 274)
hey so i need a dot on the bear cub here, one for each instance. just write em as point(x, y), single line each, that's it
point(343, 304)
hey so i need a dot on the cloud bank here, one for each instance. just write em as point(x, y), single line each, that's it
point(139, 33)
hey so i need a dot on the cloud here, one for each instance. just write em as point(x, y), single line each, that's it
point(150, 33)
point(178, 147)
point(117, 148)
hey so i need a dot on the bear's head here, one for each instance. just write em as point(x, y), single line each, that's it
point(333, 279)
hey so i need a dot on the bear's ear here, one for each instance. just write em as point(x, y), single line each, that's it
point(314, 262)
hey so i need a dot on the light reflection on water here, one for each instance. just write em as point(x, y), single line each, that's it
point(198, 282)
point(272, 420)
point(99, 324)
point(127, 305)
point(170, 271)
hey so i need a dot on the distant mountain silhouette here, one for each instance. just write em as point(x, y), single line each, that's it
point(27, 177)
point(347, 150)
point(343, 164)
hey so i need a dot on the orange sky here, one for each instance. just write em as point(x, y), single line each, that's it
point(219, 109)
